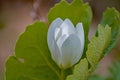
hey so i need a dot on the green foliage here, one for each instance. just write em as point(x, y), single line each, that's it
point(98, 45)
point(80, 72)
point(32, 60)
point(115, 71)
point(76, 12)
point(96, 77)
point(112, 17)
point(1, 76)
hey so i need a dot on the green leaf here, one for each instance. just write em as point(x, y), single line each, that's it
point(115, 71)
point(112, 18)
point(76, 12)
point(80, 71)
point(98, 45)
point(96, 77)
point(32, 59)
point(1, 76)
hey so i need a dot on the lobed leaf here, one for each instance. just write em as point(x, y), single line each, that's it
point(32, 60)
point(80, 71)
point(98, 45)
point(111, 17)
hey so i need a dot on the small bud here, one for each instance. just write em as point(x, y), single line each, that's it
point(66, 42)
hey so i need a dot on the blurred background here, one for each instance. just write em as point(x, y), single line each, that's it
point(15, 15)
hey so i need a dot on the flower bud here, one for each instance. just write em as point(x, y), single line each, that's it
point(66, 42)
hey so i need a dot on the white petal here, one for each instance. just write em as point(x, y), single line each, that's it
point(80, 33)
point(61, 40)
point(67, 27)
point(51, 32)
point(55, 53)
point(71, 51)
point(57, 33)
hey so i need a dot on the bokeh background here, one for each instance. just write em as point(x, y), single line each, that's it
point(15, 15)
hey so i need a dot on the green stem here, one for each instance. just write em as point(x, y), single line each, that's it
point(62, 74)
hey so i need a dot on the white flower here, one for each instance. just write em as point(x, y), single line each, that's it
point(66, 43)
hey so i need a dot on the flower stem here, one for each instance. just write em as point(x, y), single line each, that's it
point(62, 74)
